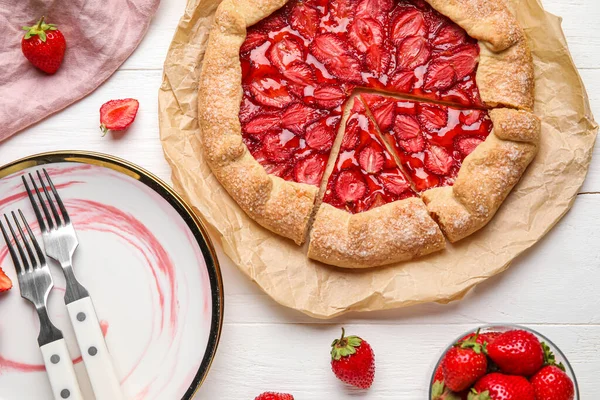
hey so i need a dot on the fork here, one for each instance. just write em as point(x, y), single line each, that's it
point(60, 242)
point(35, 283)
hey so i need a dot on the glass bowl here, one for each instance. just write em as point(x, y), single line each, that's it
point(560, 357)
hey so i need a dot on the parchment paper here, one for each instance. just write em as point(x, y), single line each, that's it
point(281, 268)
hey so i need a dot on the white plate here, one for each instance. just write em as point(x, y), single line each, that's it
point(148, 265)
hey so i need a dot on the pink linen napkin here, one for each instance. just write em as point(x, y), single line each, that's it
point(100, 35)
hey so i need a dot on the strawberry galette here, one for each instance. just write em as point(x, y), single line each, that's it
point(377, 125)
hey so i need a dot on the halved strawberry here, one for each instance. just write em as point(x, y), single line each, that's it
point(408, 23)
point(384, 115)
point(270, 92)
point(466, 144)
point(412, 52)
point(440, 75)
point(305, 20)
point(403, 80)
point(371, 159)
point(464, 60)
point(408, 132)
point(394, 183)
point(437, 160)
point(5, 282)
point(432, 117)
point(299, 72)
point(320, 135)
point(297, 116)
point(254, 39)
point(351, 135)
point(329, 96)
point(335, 55)
point(377, 60)
point(449, 36)
point(118, 115)
point(263, 123)
point(350, 186)
point(275, 149)
point(471, 116)
point(285, 52)
point(310, 169)
point(370, 8)
point(365, 32)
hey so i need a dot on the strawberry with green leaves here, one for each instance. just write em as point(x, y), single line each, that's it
point(517, 352)
point(353, 361)
point(552, 382)
point(464, 364)
point(44, 46)
point(497, 386)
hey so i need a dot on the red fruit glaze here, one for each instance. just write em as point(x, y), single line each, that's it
point(505, 387)
point(274, 396)
point(365, 175)
point(552, 383)
point(431, 140)
point(517, 352)
point(316, 51)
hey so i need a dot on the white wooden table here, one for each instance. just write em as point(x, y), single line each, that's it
point(553, 288)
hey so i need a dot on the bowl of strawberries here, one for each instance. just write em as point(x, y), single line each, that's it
point(506, 362)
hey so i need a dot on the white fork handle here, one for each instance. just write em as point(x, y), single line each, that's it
point(60, 371)
point(97, 359)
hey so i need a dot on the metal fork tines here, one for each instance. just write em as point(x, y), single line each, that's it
point(35, 280)
point(60, 239)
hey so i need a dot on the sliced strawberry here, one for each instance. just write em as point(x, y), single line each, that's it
point(275, 149)
point(464, 61)
point(247, 110)
point(310, 170)
point(384, 115)
point(377, 201)
point(365, 32)
point(320, 135)
point(299, 72)
point(437, 160)
point(371, 159)
point(305, 20)
point(350, 186)
point(394, 183)
point(297, 116)
point(370, 8)
point(5, 282)
point(449, 36)
point(270, 92)
point(409, 23)
point(377, 60)
point(412, 52)
point(276, 169)
point(253, 40)
point(285, 52)
point(440, 75)
point(118, 115)
point(328, 96)
point(296, 89)
point(403, 81)
point(466, 144)
point(274, 23)
point(342, 8)
point(263, 123)
point(335, 55)
point(471, 116)
point(351, 135)
point(432, 117)
point(408, 133)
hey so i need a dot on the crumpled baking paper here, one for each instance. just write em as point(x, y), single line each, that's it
point(281, 268)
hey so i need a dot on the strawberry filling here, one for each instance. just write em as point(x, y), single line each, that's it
point(365, 175)
point(431, 140)
point(300, 65)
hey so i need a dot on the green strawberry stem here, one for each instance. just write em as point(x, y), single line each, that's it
point(550, 358)
point(479, 396)
point(104, 129)
point(344, 346)
point(39, 29)
point(471, 343)
point(439, 391)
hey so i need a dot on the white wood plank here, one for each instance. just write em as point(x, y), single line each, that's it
point(295, 358)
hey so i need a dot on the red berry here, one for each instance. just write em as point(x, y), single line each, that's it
point(353, 361)
point(350, 186)
point(310, 169)
point(320, 135)
point(466, 144)
point(274, 396)
point(410, 23)
point(297, 117)
point(384, 115)
point(496, 386)
point(437, 160)
point(329, 96)
point(408, 133)
point(413, 52)
point(432, 117)
point(263, 123)
point(336, 56)
point(371, 159)
point(44, 46)
point(5, 282)
point(464, 364)
point(552, 383)
point(117, 115)
point(517, 352)
point(305, 20)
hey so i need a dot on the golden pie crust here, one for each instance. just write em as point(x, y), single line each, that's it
point(403, 229)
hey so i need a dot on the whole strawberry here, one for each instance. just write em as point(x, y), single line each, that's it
point(44, 46)
point(464, 363)
point(496, 386)
point(517, 352)
point(552, 383)
point(352, 361)
point(5, 282)
point(274, 396)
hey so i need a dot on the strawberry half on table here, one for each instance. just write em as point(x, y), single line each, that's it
point(44, 46)
point(117, 115)
point(5, 282)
